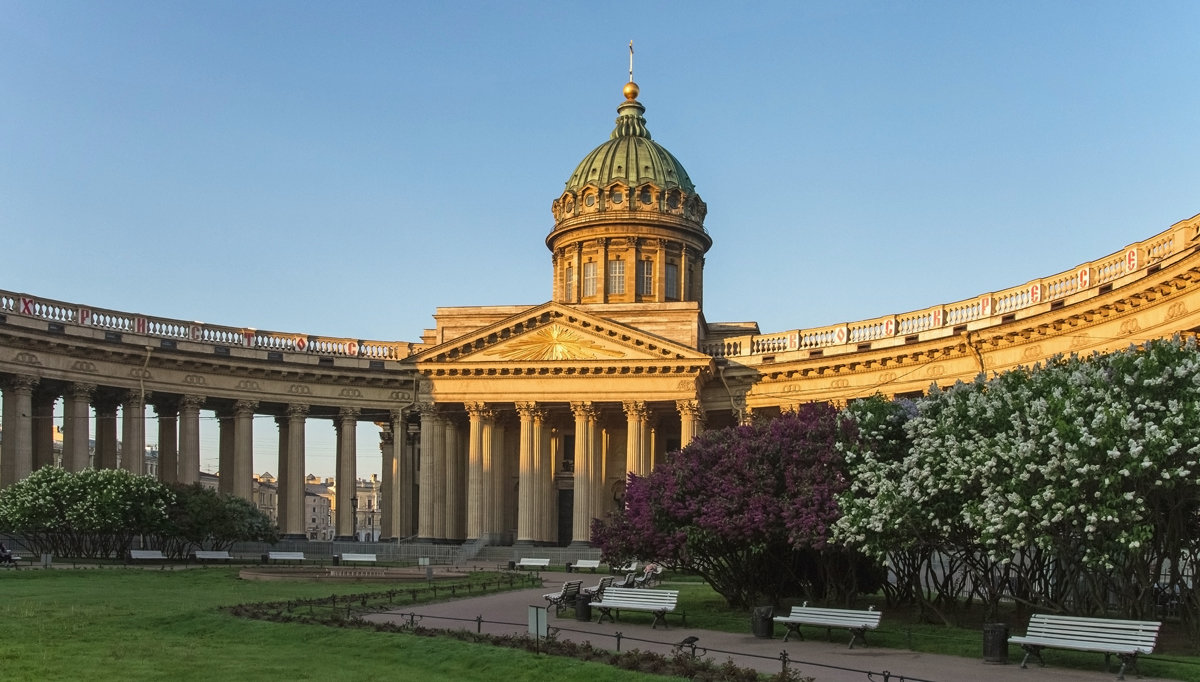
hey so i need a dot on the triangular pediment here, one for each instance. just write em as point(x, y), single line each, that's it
point(558, 333)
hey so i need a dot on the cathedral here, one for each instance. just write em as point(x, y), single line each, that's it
point(519, 425)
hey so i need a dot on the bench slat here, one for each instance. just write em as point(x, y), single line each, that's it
point(1125, 638)
point(658, 602)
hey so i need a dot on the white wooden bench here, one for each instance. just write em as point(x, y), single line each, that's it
point(856, 621)
point(1125, 638)
point(528, 562)
point(350, 556)
point(564, 597)
point(285, 556)
point(586, 563)
point(657, 602)
point(203, 555)
point(146, 555)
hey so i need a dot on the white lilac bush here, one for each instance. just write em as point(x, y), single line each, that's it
point(1073, 484)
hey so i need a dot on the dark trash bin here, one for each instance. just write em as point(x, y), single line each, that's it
point(760, 622)
point(568, 567)
point(995, 643)
point(583, 608)
point(337, 559)
point(512, 565)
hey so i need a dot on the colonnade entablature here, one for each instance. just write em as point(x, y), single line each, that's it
point(1129, 268)
point(168, 334)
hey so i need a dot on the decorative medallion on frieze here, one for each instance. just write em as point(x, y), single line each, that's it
point(1033, 352)
point(1130, 326)
point(400, 395)
point(555, 342)
point(248, 385)
point(139, 373)
point(84, 366)
point(350, 393)
point(935, 371)
point(27, 359)
point(1080, 341)
point(1176, 310)
point(299, 389)
point(194, 380)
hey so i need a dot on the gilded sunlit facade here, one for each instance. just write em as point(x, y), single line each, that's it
point(518, 424)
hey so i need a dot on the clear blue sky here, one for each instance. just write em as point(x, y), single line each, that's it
point(344, 168)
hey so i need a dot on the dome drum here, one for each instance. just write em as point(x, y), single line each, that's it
point(619, 197)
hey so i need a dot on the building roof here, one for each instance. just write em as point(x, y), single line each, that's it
point(630, 155)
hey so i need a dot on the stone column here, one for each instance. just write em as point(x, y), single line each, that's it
point(291, 482)
point(637, 456)
point(167, 410)
point(16, 448)
point(243, 449)
point(531, 486)
point(283, 429)
point(478, 456)
point(499, 476)
point(405, 480)
point(43, 426)
point(387, 481)
point(439, 479)
point(455, 481)
point(690, 420)
point(225, 441)
point(426, 530)
point(189, 439)
point(77, 426)
point(347, 473)
point(133, 433)
point(585, 462)
point(106, 431)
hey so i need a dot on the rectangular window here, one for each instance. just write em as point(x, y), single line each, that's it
point(645, 277)
point(616, 276)
point(672, 281)
point(589, 279)
point(570, 284)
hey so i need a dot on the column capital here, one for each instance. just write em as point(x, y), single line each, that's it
point(136, 399)
point(81, 390)
point(481, 411)
point(530, 410)
point(689, 408)
point(349, 413)
point(20, 383)
point(636, 409)
point(166, 406)
point(242, 407)
point(585, 410)
point(297, 410)
point(191, 402)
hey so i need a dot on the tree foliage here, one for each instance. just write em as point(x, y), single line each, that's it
point(748, 508)
point(93, 513)
point(1068, 485)
point(97, 513)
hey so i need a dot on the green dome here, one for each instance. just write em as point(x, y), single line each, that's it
point(630, 156)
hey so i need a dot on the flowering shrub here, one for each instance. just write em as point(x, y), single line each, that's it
point(1068, 484)
point(93, 513)
point(747, 508)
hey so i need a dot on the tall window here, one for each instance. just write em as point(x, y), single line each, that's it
point(589, 279)
point(616, 276)
point(645, 277)
point(672, 281)
point(570, 284)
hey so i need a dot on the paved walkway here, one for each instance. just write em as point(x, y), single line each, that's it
point(816, 657)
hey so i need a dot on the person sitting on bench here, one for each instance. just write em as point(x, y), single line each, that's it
point(6, 555)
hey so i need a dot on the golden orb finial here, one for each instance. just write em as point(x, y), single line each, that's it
point(631, 91)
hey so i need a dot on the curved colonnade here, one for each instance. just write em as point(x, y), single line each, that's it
point(511, 443)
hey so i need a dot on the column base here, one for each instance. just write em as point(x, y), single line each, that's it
point(345, 538)
point(524, 543)
point(292, 537)
point(579, 544)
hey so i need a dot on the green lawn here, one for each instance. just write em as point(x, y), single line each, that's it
point(132, 624)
